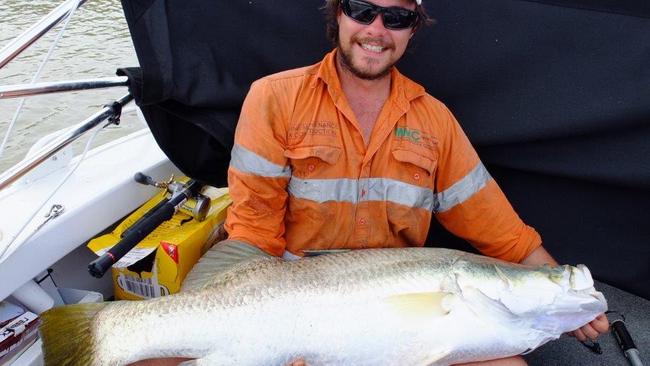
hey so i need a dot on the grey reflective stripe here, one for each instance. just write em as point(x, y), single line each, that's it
point(390, 190)
point(324, 190)
point(383, 189)
point(247, 161)
point(350, 190)
point(462, 190)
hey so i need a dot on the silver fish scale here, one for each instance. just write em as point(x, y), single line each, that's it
point(336, 272)
point(364, 274)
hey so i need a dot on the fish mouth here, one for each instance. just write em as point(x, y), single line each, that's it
point(591, 300)
point(572, 295)
point(582, 301)
point(570, 313)
point(581, 295)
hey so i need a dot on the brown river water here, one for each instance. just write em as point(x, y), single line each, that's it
point(96, 42)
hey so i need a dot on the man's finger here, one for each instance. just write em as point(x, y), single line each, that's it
point(580, 335)
point(589, 331)
point(600, 324)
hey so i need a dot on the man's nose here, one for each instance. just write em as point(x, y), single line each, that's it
point(378, 23)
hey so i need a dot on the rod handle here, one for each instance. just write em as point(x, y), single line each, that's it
point(99, 266)
point(623, 337)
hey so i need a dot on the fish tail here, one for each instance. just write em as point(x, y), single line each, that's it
point(67, 334)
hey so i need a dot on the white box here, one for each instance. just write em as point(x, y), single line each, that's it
point(75, 296)
point(17, 336)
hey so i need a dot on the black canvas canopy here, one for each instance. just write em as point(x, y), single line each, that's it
point(555, 96)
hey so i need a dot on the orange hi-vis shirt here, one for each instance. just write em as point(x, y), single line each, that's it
point(301, 176)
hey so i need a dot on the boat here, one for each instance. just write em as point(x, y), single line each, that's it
point(552, 93)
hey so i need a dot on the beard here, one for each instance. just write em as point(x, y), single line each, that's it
point(346, 58)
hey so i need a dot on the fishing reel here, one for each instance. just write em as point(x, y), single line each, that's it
point(184, 196)
point(197, 205)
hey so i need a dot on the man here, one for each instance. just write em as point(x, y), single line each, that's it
point(348, 153)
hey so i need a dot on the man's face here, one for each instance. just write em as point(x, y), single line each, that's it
point(369, 51)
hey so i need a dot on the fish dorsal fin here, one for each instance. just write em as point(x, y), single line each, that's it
point(223, 258)
point(420, 305)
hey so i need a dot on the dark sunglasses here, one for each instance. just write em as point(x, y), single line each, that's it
point(365, 13)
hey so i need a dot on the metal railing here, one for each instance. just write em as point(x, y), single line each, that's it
point(22, 168)
point(21, 43)
point(31, 35)
point(26, 90)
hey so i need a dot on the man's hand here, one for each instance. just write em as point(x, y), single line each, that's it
point(592, 330)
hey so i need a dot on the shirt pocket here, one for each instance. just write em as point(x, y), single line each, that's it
point(309, 161)
point(416, 166)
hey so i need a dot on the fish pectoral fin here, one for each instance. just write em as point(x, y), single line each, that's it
point(420, 304)
point(220, 260)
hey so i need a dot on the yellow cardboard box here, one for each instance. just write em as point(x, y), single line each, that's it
point(159, 263)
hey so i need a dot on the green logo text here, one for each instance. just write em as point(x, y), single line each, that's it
point(407, 133)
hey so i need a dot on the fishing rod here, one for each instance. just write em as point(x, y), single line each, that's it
point(162, 212)
point(624, 339)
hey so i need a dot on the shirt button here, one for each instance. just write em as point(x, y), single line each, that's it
point(362, 221)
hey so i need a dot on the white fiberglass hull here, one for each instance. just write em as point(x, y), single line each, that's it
point(100, 192)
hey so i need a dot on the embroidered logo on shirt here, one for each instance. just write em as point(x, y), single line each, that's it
point(316, 128)
point(410, 134)
point(416, 137)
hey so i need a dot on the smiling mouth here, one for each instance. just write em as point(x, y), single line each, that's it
point(372, 48)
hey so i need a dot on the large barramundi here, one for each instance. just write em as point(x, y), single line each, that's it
point(411, 306)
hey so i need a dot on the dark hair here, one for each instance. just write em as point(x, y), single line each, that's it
point(331, 9)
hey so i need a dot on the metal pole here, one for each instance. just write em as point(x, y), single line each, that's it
point(59, 143)
point(31, 35)
point(25, 90)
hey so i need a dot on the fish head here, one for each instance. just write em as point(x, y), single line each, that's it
point(574, 301)
point(551, 300)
